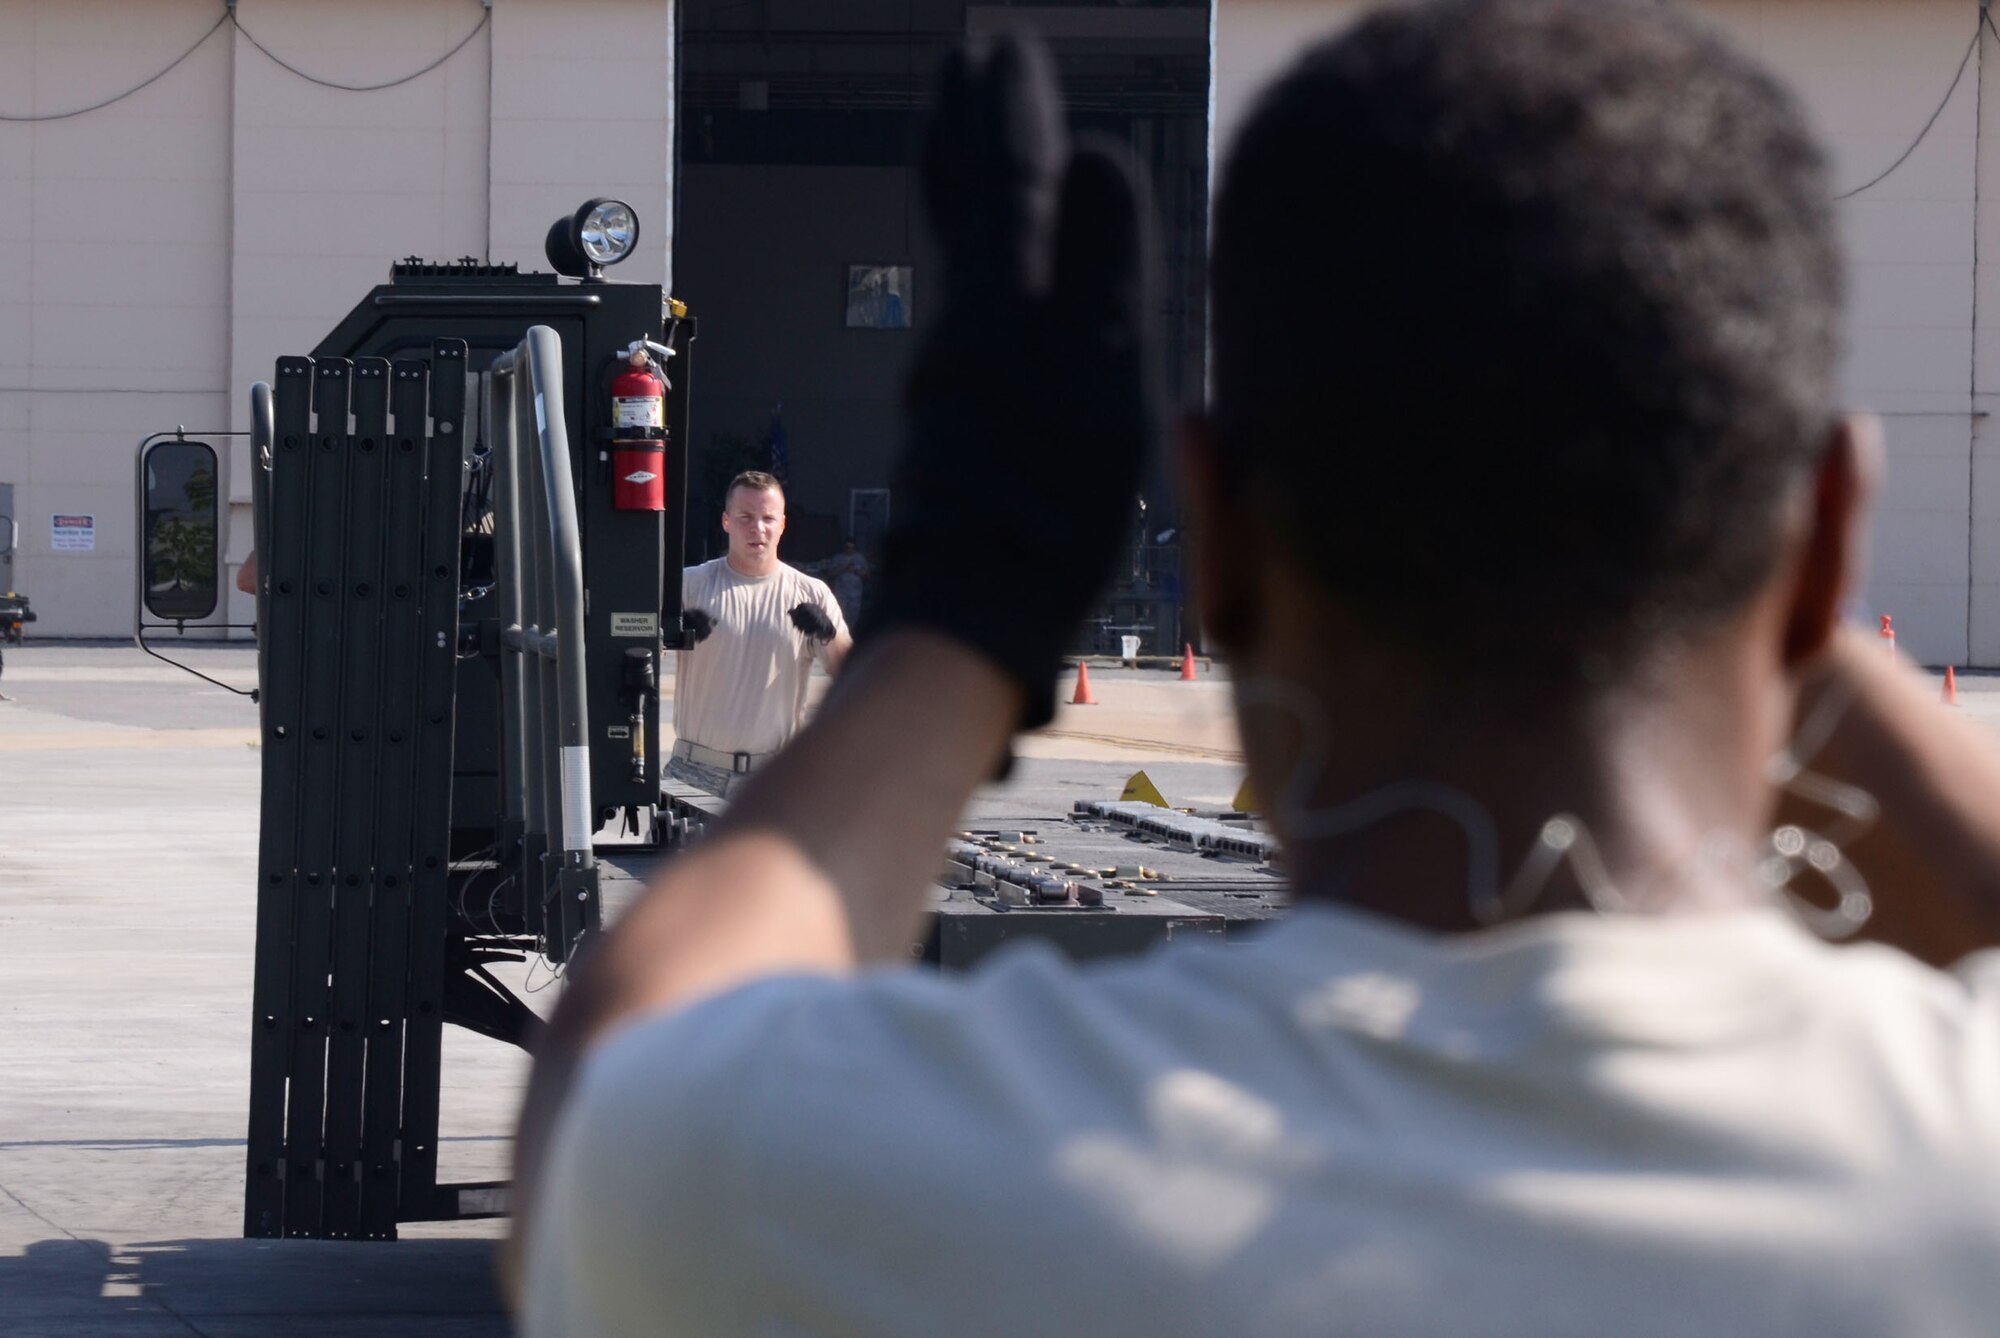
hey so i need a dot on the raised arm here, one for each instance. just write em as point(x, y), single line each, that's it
point(1031, 409)
point(809, 872)
point(1931, 855)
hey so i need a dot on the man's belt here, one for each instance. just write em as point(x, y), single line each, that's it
point(742, 764)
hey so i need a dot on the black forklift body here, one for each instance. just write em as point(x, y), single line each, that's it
point(458, 650)
point(632, 559)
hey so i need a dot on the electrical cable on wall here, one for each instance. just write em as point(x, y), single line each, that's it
point(1972, 387)
point(485, 18)
point(1972, 352)
point(228, 17)
point(1978, 30)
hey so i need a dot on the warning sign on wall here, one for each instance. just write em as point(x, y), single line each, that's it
point(73, 534)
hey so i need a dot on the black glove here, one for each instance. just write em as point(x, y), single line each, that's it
point(697, 624)
point(811, 619)
point(1033, 400)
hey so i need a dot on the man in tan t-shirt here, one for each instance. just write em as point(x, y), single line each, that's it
point(757, 625)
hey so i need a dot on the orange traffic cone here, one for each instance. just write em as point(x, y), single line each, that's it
point(1950, 696)
point(1187, 663)
point(1888, 636)
point(1082, 695)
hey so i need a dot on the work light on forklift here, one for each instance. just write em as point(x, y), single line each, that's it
point(609, 231)
point(602, 232)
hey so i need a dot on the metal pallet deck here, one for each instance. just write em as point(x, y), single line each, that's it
point(1105, 879)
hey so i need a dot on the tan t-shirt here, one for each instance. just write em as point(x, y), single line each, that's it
point(743, 688)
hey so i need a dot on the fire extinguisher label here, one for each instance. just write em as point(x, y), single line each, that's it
point(640, 476)
point(643, 411)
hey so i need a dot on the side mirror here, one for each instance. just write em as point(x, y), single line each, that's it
point(6, 535)
point(179, 540)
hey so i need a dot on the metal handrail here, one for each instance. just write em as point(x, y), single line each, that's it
point(540, 575)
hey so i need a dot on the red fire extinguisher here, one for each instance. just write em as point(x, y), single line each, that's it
point(639, 431)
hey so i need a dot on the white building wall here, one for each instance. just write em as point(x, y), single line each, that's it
point(331, 185)
point(1870, 74)
point(114, 275)
point(158, 255)
point(583, 97)
point(1254, 41)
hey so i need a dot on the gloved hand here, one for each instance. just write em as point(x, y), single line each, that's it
point(697, 624)
point(811, 619)
point(1033, 401)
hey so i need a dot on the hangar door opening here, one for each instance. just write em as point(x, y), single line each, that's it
point(800, 242)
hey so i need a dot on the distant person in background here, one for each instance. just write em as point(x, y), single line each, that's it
point(848, 570)
point(756, 626)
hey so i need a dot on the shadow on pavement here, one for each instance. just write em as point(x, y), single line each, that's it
point(239, 1288)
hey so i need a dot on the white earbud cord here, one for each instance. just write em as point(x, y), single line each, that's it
point(1789, 850)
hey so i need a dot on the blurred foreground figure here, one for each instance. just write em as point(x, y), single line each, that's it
point(1527, 518)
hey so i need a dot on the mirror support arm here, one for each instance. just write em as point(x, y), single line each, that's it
point(139, 637)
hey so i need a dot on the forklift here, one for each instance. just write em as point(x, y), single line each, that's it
point(470, 513)
point(469, 508)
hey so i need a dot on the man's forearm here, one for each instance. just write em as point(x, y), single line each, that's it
point(1932, 857)
point(823, 861)
point(837, 652)
point(867, 795)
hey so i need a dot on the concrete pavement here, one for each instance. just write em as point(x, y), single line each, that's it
point(128, 796)
point(128, 800)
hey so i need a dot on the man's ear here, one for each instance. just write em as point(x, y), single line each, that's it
point(1226, 542)
point(1835, 547)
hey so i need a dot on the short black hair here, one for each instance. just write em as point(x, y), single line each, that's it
point(1525, 319)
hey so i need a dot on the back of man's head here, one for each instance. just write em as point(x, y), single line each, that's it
point(1525, 323)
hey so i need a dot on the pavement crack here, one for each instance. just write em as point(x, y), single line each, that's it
point(178, 1317)
point(24, 1207)
point(1154, 745)
point(185, 1322)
